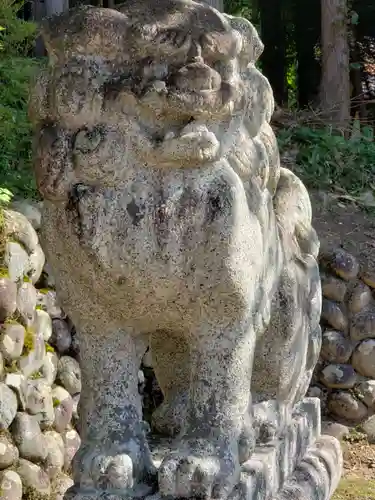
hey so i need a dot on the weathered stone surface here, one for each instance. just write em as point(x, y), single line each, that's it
point(46, 299)
point(49, 367)
point(334, 316)
point(18, 383)
point(345, 405)
point(339, 431)
point(61, 338)
point(369, 278)
point(48, 279)
point(33, 359)
point(8, 452)
point(54, 461)
point(69, 374)
point(369, 428)
point(26, 302)
point(314, 392)
point(147, 359)
point(10, 485)
point(363, 325)
point(333, 288)
point(39, 402)
point(366, 390)
point(335, 347)
point(18, 228)
point(28, 437)
point(167, 215)
point(8, 298)
point(319, 473)
point(72, 442)
point(363, 359)
point(63, 407)
point(360, 298)
point(2, 367)
point(37, 260)
point(30, 209)
point(342, 263)
point(12, 337)
point(8, 406)
point(16, 259)
point(34, 479)
point(43, 324)
point(339, 376)
point(61, 484)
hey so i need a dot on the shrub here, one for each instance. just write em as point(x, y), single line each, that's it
point(17, 38)
point(326, 159)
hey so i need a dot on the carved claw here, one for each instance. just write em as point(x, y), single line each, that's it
point(111, 469)
point(200, 469)
point(112, 472)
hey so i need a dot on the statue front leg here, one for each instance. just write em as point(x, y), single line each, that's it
point(114, 456)
point(206, 458)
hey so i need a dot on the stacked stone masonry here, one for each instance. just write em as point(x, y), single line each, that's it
point(40, 380)
point(344, 378)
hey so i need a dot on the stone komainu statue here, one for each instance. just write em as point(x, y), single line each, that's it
point(168, 220)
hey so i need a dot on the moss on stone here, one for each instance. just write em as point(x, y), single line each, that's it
point(4, 273)
point(49, 348)
point(56, 402)
point(11, 367)
point(28, 345)
point(32, 494)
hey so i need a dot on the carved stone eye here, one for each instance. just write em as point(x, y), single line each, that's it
point(86, 141)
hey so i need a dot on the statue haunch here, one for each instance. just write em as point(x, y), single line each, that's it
point(168, 220)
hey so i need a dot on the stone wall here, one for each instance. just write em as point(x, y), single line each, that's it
point(39, 373)
point(344, 378)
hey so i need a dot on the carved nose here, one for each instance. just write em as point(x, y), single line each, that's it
point(196, 76)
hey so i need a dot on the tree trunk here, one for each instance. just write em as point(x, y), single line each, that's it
point(335, 85)
point(273, 35)
point(306, 39)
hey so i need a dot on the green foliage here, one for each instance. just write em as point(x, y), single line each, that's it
point(56, 402)
point(16, 71)
point(325, 158)
point(28, 345)
point(49, 348)
point(17, 36)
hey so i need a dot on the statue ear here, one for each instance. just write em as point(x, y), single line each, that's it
point(252, 46)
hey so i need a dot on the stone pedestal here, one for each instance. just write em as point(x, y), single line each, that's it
point(301, 465)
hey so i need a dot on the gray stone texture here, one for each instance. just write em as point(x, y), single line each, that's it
point(167, 220)
point(345, 373)
point(33, 451)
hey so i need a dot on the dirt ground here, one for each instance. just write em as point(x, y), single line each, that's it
point(358, 481)
point(339, 223)
point(342, 223)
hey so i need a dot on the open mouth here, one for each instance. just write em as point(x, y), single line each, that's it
point(193, 90)
point(184, 107)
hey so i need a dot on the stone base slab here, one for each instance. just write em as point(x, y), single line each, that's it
point(300, 465)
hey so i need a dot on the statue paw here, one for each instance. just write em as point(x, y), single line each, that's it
point(200, 468)
point(113, 469)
